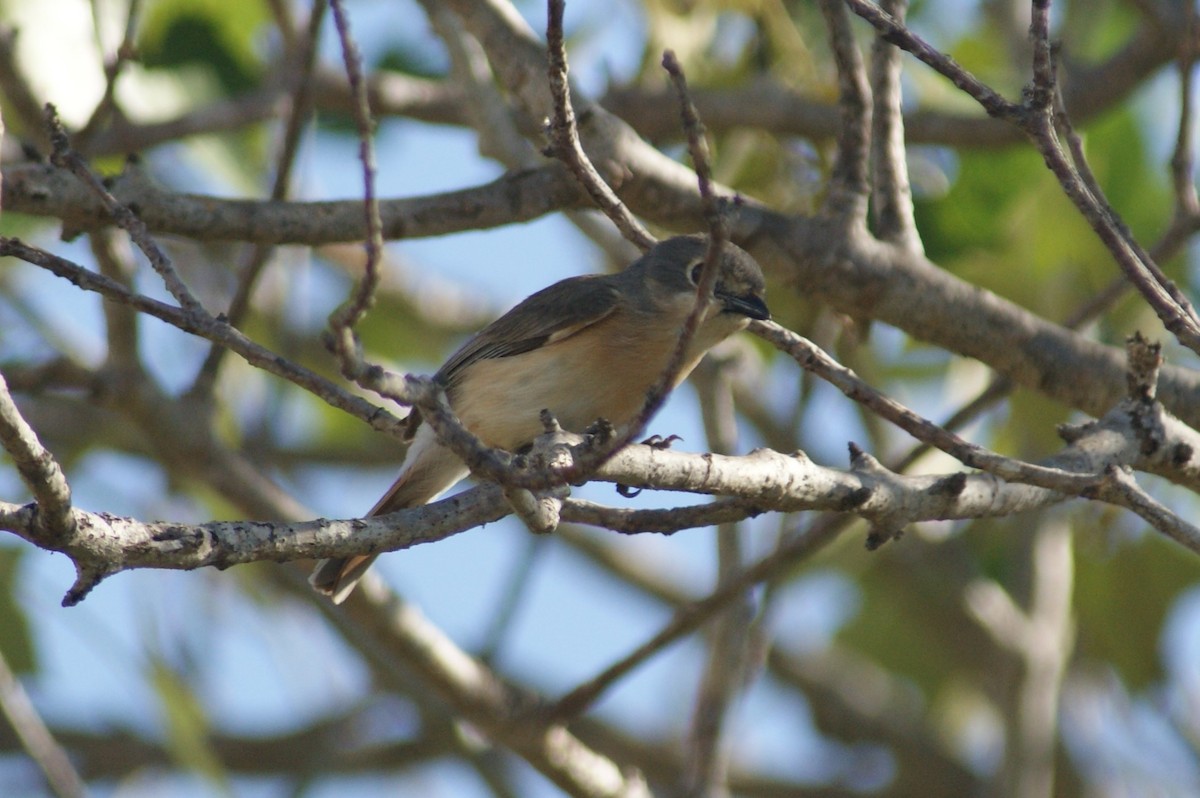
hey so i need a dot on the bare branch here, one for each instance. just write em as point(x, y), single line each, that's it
point(503, 712)
point(122, 326)
point(895, 32)
point(211, 329)
point(1079, 183)
point(515, 197)
point(123, 544)
point(1089, 90)
point(343, 320)
point(665, 522)
point(1041, 95)
point(1038, 121)
point(63, 156)
point(564, 136)
point(849, 184)
point(52, 519)
point(1042, 638)
point(1121, 488)
point(1187, 204)
point(258, 255)
point(486, 109)
point(36, 738)
point(691, 616)
point(814, 359)
point(106, 108)
point(698, 148)
point(737, 630)
point(890, 190)
point(763, 480)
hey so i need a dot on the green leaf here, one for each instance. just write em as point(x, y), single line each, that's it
point(186, 725)
point(219, 35)
point(1122, 596)
point(15, 640)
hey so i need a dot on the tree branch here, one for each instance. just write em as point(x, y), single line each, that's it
point(36, 738)
point(51, 518)
point(849, 182)
point(564, 137)
point(42, 190)
point(891, 193)
point(211, 329)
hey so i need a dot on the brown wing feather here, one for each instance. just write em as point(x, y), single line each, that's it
point(552, 314)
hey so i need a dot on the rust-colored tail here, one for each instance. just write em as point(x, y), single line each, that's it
point(337, 577)
point(428, 471)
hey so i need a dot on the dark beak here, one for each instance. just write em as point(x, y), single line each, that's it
point(750, 305)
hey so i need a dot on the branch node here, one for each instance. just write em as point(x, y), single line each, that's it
point(1071, 433)
point(550, 424)
point(1144, 360)
point(85, 580)
point(882, 535)
point(862, 461)
point(564, 136)
point(952, 485)
point(539, 511)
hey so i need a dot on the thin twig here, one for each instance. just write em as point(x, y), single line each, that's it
point(697, 142)
point(1146, 268)
point(564, 136)
point(1041, 95)
point(36, 737)
point(892, 202)
point(812, 358)
point(849, 183)
point(211, 329)
point(691, 616)
point(1169, 303)
point(1187, 205)
point(1000, 386)
point(63, 156)
point(1120, 488)
point(898, 34)
point(38, 469)
point(126, 52)
point(706, 760)
point(121, 323)
point(718, 236)
point(343, 320)
point(1039, 125)
point(259, 254)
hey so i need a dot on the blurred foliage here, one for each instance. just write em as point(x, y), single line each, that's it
point(187, 726)
point(16, 641)
point(1125, 586)
point(222, 37)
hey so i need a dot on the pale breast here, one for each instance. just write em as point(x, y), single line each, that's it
point(604, 371)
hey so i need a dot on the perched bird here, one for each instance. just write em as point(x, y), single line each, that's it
point(584, 348)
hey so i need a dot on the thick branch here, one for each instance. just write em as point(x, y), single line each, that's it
point(41, 190)
point(761, 481)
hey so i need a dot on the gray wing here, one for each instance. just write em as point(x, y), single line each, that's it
point(552, 314)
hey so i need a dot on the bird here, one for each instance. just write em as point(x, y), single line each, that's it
point(584, 348)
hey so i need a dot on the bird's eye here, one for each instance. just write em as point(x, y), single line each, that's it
point(694, 271)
